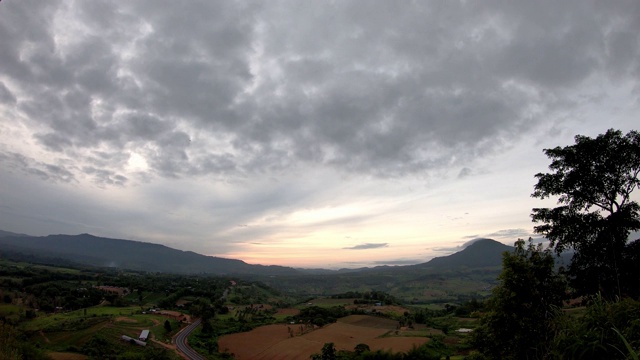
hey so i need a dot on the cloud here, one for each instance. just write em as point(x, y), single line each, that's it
point(6, 96)
point(464, 172)
point(454, 249)
point(510, 233)
point(43, 170)
point(367, 246)
point(344, 90)
point(398, 262)
point(197, 116)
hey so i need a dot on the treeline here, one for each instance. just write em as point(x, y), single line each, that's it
point(525, 317)
point(435, 349)
point(49, 289)
point(321, 316)
point(593, 181)
point(62, 294)
point(368, 297)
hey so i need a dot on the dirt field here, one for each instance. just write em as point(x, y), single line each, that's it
point(275, 341)
point(175, 314)
point(288, 312)
point(369, 321)
point(66, 356)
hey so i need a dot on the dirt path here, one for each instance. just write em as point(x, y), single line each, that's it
point(46, 339)
point(165, 345)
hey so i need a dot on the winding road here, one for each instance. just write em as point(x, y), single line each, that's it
point(183, 346)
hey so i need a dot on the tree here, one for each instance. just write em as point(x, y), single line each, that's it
point(361, 348)
point(593, 180)
point(9, 346)
point(521, 312)
point(167, 326)
point(328, 353)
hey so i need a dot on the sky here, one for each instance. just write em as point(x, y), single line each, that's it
point(301, 133)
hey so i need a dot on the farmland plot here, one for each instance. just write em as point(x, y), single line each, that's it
point(276, 342)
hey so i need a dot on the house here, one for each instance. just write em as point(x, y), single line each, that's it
point(129, 339)
point(144, 335)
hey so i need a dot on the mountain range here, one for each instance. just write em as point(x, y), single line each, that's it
point(89, 250)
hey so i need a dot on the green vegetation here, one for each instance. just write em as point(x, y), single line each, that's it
point(320, 316)
point(368, 297)
point(433, 350)
point(520, 320)
point(46, 310)
point(408, 285)
point(594, 180)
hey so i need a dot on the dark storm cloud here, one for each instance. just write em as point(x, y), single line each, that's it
point(378, 88)
point(367, 246)
point(43, 170)
point(6, 96)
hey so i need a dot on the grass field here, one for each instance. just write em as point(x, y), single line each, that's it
point(10, 309)
point(23, 265)
point(51, 322)
point(66, 332)
point(327, 302)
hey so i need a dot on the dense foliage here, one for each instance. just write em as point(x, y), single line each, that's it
point(520, 320)
point(14, 345)
point(62, 301)
point(321, 315)
point(368, 297)
point(593, 181)
point(433, 350)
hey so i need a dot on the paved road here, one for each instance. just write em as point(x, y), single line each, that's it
point(183, 346)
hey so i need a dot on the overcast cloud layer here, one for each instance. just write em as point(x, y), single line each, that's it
point(302, 133)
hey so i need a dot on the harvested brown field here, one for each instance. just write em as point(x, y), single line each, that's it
point(369, 321)
point(288, 312)
point(275, 341)
point(66, 356)
point(260, 338)
point(397, 343)
point(174, 314)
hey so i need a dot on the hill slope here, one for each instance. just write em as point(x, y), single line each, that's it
point(134, 255)
point(482, 253)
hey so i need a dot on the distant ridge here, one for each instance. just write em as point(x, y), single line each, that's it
point(87, 249)
point(9, 233)
point(127, 254)
point(481, 253)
